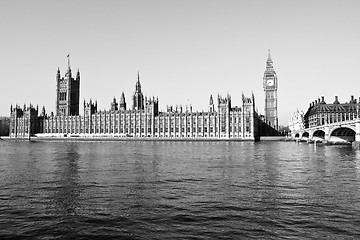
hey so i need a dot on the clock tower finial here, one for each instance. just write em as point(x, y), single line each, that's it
point(270, 84)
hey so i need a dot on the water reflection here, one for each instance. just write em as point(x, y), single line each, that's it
point(66, 179)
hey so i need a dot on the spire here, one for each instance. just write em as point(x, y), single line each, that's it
point(269, 62)
point(122, 98)
point(58, 74)
point(122, 103)
point(138, 85)
point(78, 75)
point(269, 57)
point(211, 102)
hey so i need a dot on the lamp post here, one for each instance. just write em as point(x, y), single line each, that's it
point(29, 123)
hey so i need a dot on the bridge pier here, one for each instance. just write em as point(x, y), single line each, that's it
point(356, 143)
point(327, 134)
point(344, 132)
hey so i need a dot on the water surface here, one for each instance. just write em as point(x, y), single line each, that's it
point(178, 190)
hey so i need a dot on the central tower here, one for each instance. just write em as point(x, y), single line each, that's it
point(67, 92)
point(138, 97)
point(270, 84)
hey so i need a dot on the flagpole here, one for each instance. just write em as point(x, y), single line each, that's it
point(68, 57)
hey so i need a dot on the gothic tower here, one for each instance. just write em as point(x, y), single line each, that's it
point(114, 105)
point(122, 104)
point(270, 84)
point(67, 93)
point(224, 108)
point(211, 104)
point(138, 97)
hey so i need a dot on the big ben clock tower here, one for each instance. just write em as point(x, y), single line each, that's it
point(270, 83)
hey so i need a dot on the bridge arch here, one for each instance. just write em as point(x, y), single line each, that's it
point(318, 135)
point(297, 135)
point(305, 135)
point(342, 134)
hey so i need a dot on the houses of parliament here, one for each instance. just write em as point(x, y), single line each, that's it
point(143, 119)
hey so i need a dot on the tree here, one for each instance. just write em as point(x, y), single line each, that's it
point(4, 126)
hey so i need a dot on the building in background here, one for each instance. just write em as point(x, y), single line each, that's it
point(296, 123)
point(321, 113)
point(143, 120)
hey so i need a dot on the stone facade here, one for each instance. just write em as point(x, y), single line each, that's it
point(227, 122)
point(143, 120)
point(26, 121)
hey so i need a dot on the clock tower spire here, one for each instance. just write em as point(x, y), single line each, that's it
point(270, 84)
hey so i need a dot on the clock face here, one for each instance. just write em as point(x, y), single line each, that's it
point(270, 82)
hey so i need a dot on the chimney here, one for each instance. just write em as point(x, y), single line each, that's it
point(316, 102)
point(322, 99)
point(352, 99)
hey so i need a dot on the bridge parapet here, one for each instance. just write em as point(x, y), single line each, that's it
point(348, 131)
point(330, 121)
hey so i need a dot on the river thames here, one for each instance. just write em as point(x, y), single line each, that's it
point(178, 190)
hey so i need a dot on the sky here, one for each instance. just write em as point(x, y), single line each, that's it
point(184, 50)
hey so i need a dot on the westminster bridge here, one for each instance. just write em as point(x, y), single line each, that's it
point(338, 132)
point(328, 122)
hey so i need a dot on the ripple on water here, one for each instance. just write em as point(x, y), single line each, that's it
point(178, 190)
